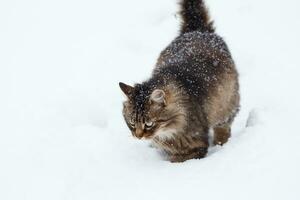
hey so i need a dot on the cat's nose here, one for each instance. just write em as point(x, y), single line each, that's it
point(139, 133)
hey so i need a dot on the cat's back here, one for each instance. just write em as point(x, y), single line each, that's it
point(194, 46)
point(197, 61)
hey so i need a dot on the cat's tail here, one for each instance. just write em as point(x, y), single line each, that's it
point(195, 17)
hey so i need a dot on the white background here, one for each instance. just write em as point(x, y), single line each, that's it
point(62, 136)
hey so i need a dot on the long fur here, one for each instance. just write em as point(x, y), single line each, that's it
point(200, 91)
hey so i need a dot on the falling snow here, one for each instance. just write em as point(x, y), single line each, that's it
point(62, 135)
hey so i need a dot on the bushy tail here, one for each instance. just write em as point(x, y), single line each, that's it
point(195, 17)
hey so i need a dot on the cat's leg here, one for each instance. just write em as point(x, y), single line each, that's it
point(222, 131)
point(195, 154)
point(221, 134)
point(193, 147)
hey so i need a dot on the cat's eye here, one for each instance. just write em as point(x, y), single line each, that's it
point(149, 125)
point(132, 123)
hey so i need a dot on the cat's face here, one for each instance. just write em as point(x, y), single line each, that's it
point(149, 113)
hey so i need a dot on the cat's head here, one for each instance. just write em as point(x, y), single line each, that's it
point(150, 111)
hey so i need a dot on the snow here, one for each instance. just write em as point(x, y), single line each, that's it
point(62, 135)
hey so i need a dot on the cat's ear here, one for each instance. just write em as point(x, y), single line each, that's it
point(158, 96)
point(127, 89)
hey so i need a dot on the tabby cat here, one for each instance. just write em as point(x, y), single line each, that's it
point(193, 89)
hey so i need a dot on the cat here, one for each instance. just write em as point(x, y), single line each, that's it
point(193, 89)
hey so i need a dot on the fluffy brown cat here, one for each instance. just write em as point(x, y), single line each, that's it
point(193, 88)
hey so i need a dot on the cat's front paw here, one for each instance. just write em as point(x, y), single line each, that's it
point(177, 158)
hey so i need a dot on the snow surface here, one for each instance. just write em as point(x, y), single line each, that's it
point(62, 135)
